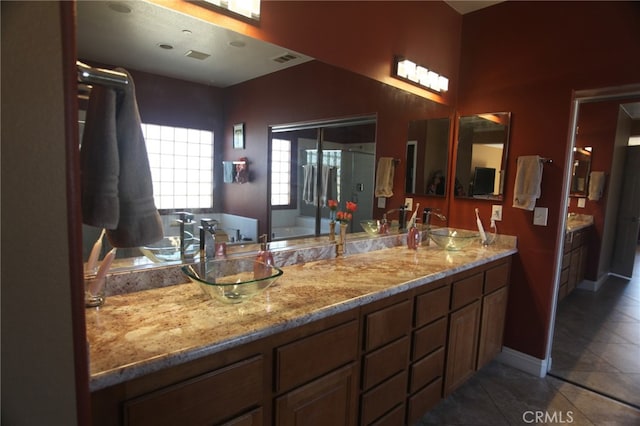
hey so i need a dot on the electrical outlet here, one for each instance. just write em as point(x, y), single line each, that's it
point(408, 202)
point(582, 202)
point(496, 212)
point(382, 202)
point(540, 216)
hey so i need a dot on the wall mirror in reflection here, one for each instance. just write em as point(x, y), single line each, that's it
point(483, 141)
point(581, 166)
point(427, 157)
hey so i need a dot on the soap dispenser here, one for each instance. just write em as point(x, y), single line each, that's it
point(413, 236)
point(384, 225)
point(264, 260)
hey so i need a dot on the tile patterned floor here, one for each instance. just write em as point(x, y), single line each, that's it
point(597, 347)
point(597, 338)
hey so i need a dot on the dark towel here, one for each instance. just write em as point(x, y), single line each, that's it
point(117, 192)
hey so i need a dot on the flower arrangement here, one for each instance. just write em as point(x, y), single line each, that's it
point(341, 216)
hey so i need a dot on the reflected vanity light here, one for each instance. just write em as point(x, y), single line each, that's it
point(247, 8)
point(419, 75)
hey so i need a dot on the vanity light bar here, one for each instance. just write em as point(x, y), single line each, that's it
point(421, 76)
point(247, 8)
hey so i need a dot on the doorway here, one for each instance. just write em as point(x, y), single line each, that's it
point(595, 337)
point(318, 162)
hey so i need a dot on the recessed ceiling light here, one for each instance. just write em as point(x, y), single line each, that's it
point(186, 32)
point(165, 46)
point(119, 7)
point(237, 43)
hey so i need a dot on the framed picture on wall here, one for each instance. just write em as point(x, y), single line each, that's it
point(238, 136)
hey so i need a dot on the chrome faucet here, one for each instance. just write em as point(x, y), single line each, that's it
point(426, 220)
point(207, 239)
point(185, 218)
point(402, 216)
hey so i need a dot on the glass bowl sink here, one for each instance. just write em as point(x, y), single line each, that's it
point(232, 280)
point(168, 248)
point(371, 227)
point(453, 239)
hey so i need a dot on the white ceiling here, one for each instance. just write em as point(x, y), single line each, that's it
point(465, 6)
point(132, 39)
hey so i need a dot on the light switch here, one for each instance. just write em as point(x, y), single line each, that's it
point(382, 202)
point(582, 202)
point(540, 216)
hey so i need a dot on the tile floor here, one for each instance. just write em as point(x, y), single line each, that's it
point(596, 346)
point(597, 338)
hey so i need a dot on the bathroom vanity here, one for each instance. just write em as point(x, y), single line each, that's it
point(370, 338)
point(575, 252)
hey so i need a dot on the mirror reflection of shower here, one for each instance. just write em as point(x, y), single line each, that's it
point(312, 164)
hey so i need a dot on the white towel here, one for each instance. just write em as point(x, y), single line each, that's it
point(596, 185)
point(326, 189)
point(384, 177)
point(528, 179)
point(309, 183)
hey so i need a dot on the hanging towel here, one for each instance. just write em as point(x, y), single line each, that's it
point(325, 185)
point(117, 191)
point(228, 171)
point(384, 177)
point(309, 183)
point(528, 179)
point(596, 185)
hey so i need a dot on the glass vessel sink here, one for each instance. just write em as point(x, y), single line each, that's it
point(453, 239)
point(371, 227)
point(232, 280)
point(168, 248)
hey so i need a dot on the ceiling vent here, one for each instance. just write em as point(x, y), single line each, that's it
point(285, 58)
point(197, 55)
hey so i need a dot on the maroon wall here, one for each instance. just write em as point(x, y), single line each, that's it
point(310, 92)
point(527, 58)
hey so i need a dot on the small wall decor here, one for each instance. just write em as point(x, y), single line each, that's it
point(238, 136)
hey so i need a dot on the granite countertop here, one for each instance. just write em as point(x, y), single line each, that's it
point(576, 222)
point(141, 332)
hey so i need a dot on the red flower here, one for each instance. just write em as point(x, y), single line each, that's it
point(333, 204)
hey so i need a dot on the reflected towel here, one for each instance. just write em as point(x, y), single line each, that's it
point(117, 191)
point(596, 185)
point(309, 183)
point(384, 177)
point(326, 188)
point(228, 171)
point(528, 179)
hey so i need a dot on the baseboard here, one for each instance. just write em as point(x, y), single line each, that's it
point(521, 361)
point(593, 285)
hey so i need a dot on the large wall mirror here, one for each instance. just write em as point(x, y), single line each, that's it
point(427, 157)
point(581, 166)
point(153, 40)
point(483, 141)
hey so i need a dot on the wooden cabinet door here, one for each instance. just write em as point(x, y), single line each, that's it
point(329, 400)
point(494, 308)
point(462, 347)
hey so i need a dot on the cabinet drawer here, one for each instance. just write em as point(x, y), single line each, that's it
point(210, 398)
point(384, 397)
point(577, 239)
point(429, 338)
point(329, 400)
point(466, 290)
point(423, 401)
point(432, 305)
point(385, 362)
point(252, 418)
point(310, 357)
point(496, 277)
point(566, 259)
point(564, 276)
point(427, 370)
point(387, 325)
point(394, 417)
